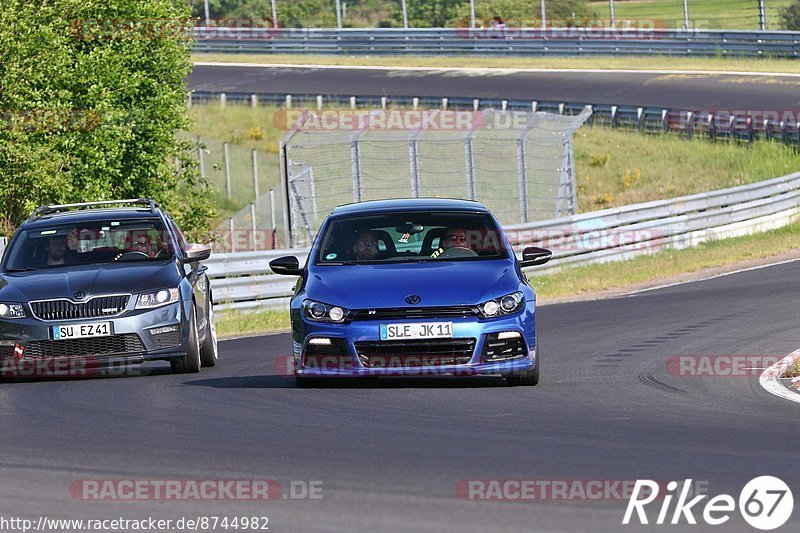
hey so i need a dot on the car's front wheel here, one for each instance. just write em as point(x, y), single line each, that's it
point(191, 362)
point(529, 377)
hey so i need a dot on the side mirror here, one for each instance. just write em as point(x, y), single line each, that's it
point(197, 252)
point(535, 256)
point(287, 266)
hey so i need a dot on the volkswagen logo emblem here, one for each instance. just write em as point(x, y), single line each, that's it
point(79, 295)
point(413, 299)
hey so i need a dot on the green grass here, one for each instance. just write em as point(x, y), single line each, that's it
point(593, 278)
point(703, 14)
point(234, 323)
point(600, 62)
point(618, 167)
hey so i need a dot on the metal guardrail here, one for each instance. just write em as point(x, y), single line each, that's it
point(244, 281)
point(732, 125)
point(512, 41)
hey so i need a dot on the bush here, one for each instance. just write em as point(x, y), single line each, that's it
point(790, 16)
point(92, 97)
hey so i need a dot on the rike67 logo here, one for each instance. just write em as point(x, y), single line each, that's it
point(765, 503)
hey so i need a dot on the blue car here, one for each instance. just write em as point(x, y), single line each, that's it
point(413, 287)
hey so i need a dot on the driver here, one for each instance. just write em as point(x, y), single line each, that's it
point(56, 249)
point(454, 244)
point(366, 246)
point(141, 243)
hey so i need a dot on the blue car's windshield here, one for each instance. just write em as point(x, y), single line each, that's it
point(102, 241)
point(409, 237)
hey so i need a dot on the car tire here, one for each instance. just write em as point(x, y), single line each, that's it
point(208, 351)
point(528, 378)
point(190, 363)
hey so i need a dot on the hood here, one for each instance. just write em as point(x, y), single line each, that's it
point(387, 285)
point(93, 280)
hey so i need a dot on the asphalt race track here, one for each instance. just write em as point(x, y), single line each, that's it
point(391, 453)
point(729, 92)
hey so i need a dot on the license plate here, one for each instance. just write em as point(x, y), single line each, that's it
point(79, 331)
point(426, 330)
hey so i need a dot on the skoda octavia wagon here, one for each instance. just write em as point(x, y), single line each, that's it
point(413, 287)
point(104, 284)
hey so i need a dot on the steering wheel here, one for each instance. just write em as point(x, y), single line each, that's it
point(131, 256)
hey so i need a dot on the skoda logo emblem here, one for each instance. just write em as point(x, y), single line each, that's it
point(79, 295)
point(413, 299)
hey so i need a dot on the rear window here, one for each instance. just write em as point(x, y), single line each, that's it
point(104, 241)
point(408, 237)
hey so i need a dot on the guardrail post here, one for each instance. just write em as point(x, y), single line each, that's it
point(223, 98)
point(352, 102)
point(534, 106)
point(415, 103)
point(254, 100)
point(319, 101)
point(664, 124)
point(227, 169)
point(640, 119)
point(476, 103)
point(383, 102)
point(712, 127)
point(189, 100)
point(613, 116)
point(689, 128)
point(444, 104)
point(288, 101)
point(561, 108)
point(504, 105)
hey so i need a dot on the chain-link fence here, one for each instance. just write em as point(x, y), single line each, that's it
point(518, 164)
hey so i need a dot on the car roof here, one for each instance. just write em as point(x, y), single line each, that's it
point(90, 215)
point(410, 204)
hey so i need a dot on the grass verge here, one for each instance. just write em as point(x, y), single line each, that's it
point(600, 62)
point(593, 278)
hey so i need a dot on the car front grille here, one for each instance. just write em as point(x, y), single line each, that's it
point(126, 344)
point(416, 353)
point(167, 340)
point(100, 306)
point(400, 313)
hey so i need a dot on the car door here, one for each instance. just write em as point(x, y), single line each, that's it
point(198, 279)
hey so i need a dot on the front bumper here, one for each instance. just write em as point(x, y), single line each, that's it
point(311, 361)
point(132, 340)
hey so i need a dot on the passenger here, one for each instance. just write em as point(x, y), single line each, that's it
point(366, 246)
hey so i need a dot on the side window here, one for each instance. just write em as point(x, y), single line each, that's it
point(178, 233)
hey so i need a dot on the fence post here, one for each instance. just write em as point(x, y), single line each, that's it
point(202, 160)
point(476, 103)
point(355, 157)
point(254, 100)
point(253, 225)
point(413, 161)
point(255, 176)
point(274, 231)
point(523, 180)
point(352, 102)
point(469, 160)
point(223, 98)
point(319, 101)
point(230, 231)
point(227, 170)
point(288, 101)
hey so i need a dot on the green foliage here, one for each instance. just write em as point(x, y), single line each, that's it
point(790, 16)
point(92, 97)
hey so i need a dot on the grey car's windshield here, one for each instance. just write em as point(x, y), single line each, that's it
point(410, 236)
point(103, 241)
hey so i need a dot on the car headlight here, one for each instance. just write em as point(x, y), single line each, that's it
point(11, 310)
point(320, 312)
point(505, 305)
point(158, 298)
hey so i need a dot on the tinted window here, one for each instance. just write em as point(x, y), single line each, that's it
point(399, 237)
point(104, 241)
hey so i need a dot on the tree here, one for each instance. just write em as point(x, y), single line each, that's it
point(92, 99)
point(790, 16)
